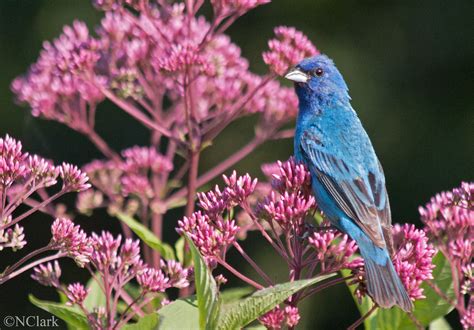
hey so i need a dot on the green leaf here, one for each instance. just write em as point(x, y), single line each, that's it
point(256, 327)
point(72, 316)
point(148, 322)
point(234, 294)
point(95, 296)
point(179, 248)
point(181, 314)
point(147, 236)
point(206, 290)
point(240, 313)
point(440, 324)
point(425, 310)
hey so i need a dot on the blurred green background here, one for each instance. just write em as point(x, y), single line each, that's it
point(409, 69)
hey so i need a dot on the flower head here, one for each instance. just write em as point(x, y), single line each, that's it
point(12, 161)
point(227, 7)
point(446, 218)
point(239, 188)
point(47, 275)
point(71, 239)
point(413, 261)
point(178, 276)
point(57, 81)
point(13, 238)
point(139, 159)
point(152, 280)
point(333, 250)
point(212, 238)
point(288, 48)
point(73, 178)
point(76, 293)
point(105, 253)
point(277, 317)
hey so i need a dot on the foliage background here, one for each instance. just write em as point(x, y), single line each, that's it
point(409, 69)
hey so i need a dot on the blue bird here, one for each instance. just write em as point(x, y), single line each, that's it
point(347, 179)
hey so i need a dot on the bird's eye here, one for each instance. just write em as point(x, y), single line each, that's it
point(318, 72)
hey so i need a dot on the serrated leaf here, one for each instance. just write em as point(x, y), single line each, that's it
point(95, 296)
point(206, 290)
point(72, 316)
point(233, 294)
point(148, 322)
point(425, 310)
point(181, 314)
point(241, 313)
point(147, 236)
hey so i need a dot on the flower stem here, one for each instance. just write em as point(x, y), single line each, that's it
point(101, 144)
point(192, 182)
point(20, 262)
point(325, 286)
point(362, 319)
point(219, 169)
point(58, 255)
point(253, 264)
point(240, 275)
point(136, 113)
point(440, 293)
point(34, 209)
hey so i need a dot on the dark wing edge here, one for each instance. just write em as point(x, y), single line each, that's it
point(364, 200)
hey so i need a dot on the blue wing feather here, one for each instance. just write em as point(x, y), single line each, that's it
point(358, 192)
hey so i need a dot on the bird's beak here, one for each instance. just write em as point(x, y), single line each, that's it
point(297, 75)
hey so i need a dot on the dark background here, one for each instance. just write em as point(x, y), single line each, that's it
point(409, 69)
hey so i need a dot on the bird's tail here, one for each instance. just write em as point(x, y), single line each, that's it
point(383, 283)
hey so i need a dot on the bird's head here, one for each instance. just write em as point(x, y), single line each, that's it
point(317, 78)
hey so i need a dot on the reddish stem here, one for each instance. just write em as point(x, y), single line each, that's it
point(136, 113)
point(253, 264)
point(219, 169)
point(58, 255)
point(34, 209)
point(362, 319)
point(240, 275)
point(101, 144)
point(192, 182)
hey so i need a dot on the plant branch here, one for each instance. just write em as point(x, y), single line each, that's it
point(253, 264)
point(240, 275)
point(219, 169)
point(5, 278)
point(100, 143)
point(362, 319)
point(34, 209)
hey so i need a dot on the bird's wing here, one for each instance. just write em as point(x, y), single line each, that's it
point(362, 197)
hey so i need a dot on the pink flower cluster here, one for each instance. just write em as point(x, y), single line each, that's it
point(24, 179)
point(239, 7)
point(130, 177)
point(71, 240)
point(138, 60)
point(449, 221)
point(412, 260)
point(60, 83)
point(113, 263)
point(333, 250)
point(287, 49)
point(278, 317)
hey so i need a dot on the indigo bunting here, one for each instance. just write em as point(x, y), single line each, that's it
point(347, 179)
